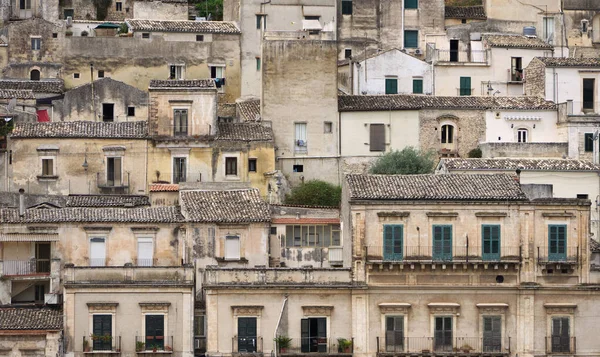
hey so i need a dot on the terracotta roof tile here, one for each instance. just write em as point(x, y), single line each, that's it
point(164, 187)
point(244, 132)
point(306, 220)
point(95, 214)
point(30, 318)
point(515, 41)
point(82, 129)
point(523, 164)
point(594, 246)
point(43, 86)
point(16, 93)
point(107, 201)
point(249, 110)
point(224, 206)
point(465, 12)
point(225, 27)
point(449, 187)
point(183, 83)
point(414, 102)
point(569, 62)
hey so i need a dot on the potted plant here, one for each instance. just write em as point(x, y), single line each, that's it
point(86, 345)
point(106, 338)
point(139, 346)
point(344, 345)
point(466, 348)
point(84, 33)
point(282, 342)
point(154, 348)
point(168, 348)
point(68, 33)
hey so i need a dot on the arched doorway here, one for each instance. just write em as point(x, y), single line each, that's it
point(34, 75)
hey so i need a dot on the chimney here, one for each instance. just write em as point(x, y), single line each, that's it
point(518, 176)
point(21, 202)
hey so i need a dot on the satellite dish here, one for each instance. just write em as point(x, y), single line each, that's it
point(11, 105)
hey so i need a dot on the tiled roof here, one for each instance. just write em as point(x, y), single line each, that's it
point(95, 214)
point(523, 164)
point(82, 129)
point(306, 220)
point(30, 318)
point(43, 86)
point(16, 93)
point(107, 201)
point(465, 12)
point(224, 206)
point(183, 26)
point(173, 1)
point(499, 187)
point(244, 132)
point(569, 62)
point(164, 187)
point(515, 41)
point(249, 110)
point(184, 83)
point(594, 246)
point(414, 102)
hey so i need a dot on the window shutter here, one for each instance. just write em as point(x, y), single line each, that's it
point(589, 142)
point(97, 252)
point(411, 4)
point(377, 137)
point(417, 86)
point(232, 247)
point(411, 39)
point(346, 7)
point(391, 86)
point(465, 85)
point(304, 335)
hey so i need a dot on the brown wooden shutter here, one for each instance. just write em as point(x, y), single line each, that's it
point(377, 139)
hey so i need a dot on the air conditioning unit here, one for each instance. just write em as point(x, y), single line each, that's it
point(301, 143)
point(53, 299)
point(418, 51)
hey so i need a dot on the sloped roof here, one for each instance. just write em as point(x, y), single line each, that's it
point(414, 102)
point(30, 318)
point(515, 41)
point(569, 62)
point(465, 12)
point(183, 83)
point(594, 246)
point(523, 164)
point(82, 129)
point(95, 214)
point(42, 86)
point(225, 27)
point(244, 132)
point(16, 93)
point(164, 187)
point(249, 110)
point(107, 201)
point(499, 187)
point(224, 206)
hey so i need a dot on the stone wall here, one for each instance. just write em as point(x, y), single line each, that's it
point(100, 10)
point(158, 10)
point(516, 150)
point(469, 128)
point(535, 79)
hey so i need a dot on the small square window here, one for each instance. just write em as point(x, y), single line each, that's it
point(346, 7)
point(328, 127)
point(273, 230)
point(75, 75)
point(145, 35)
point(100, 73)
point(347, 53)
point(582, 196)
point(119, 6)
point(130, 111)
point(54, 35)
point(312, 18)
point(298, 168)
point(200, 38)
point(252, 165)
point(258, 63)
point(69, 13)
point(463, 21)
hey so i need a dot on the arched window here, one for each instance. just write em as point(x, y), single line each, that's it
point(34, 75)
point(447, 134)
point(522, 135)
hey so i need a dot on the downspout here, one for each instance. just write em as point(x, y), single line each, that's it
point(402, 28)
point(285, 299)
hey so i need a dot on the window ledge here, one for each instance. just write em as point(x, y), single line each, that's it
point(232, 178)
point(229, 260)
point(152, 352)
point(47, 178)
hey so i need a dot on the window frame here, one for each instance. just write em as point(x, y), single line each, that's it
point(114, 179)
point(145, 238)
point(130, 111)
point(178, 128)
point(300, 136)
point(516, 69)
point(447, 133)
point(101, 73)
point(95, 238)
point(418, 81)
point(465, 91)
point(347, 7)
point(522, 135)
point(165, 327)
point(375, 130)
point(327, 127)
point(45, 166)
point(491, 256)
point(252, 164)
point(588, 142)
point(443, 255)
point(36, 43)
point(145, 35)
point(392, 235)
point(557, 255)
point(231, 166)
point(176, 71)
point(391, 85)
point(119, 6)
point(232, 236)
point(411, 42)
point(185, 172)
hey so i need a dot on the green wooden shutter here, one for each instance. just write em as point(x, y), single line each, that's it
point(465, 85)
point(393, 240)
point(411, 39)
point(490, 238)
point(417, 86)
point(589, 142)
point(391, 86)
point(557, 242)
point(411, 4)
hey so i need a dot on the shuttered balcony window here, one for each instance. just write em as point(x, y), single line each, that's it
point(377, 137)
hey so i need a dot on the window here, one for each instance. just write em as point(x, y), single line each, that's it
point(584, 26)
point(377, 137)
point(218, 74)
point(411, 4)
point(36, 43)
point(145, 252)
point(561, 334)
point(68, 13)
point(179, 169)
point(175, 71)
point(442, 338)
point(557, 242)
point(391, 86)
point(465, 86)
point(119, 6)
point(346, 7)
point(54, 35)
point(522, 135)
point(108, 112)
point(130, 111)
point(258, 63)
point(347, 53)
point(516, 69)
point(447, 134)
point(327, 127)
point(588, 93)
point(313, 332)
point(417, 86)
point(311, 236)
point(180, 122)
point(40, 292)
point(76, 75)
point(200, 325)
point(490, 242)
point(454, 54)
point(442, 242)
point(232, 248)
point(113, 171)
point(97, 252)
point(588, 139)
point(394, 333)
point(273, 231)
point(582, 196)
point(298, 168)
point(300, 143)
point(492, 334)
point(261, 22)
point(246, 336)
point(155, 332)
point(145, 35)
point(47, 167)
point(252, 165)
point(231, 166)
point(463, 21)
point(100, 73)
point(548, 29)
point(102, 326)
point(393, 242)
point(25, 4)
point(34, 75)
point(411, 38)
point(312, 18)
point(200, 38)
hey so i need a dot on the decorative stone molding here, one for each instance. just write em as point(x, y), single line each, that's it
point(155, 306)
point(102, 306)
point(147, 229)
point(443, 308)
point(442, 214)
point(317, 310)
point(393, 214)
point(490, 214)
point(93, 229)
point(394, 308)
point(249, 310)
point(560, 308)
point(558, 214)
point(492, 308)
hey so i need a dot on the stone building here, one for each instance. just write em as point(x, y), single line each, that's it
point(458, 15)
point(31, 330)
point(119, 10)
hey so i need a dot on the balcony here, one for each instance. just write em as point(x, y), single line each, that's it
point(399, 345)
point(101, 344)
point(433, 254)
point(215, 276)
point(31, 267)
point(153, 344)
point(112, 184)
point(583, 108)
point(455, 57)
point(247, 344)
point(558, 255)
point(465, 91)
point(129, 274)
point(561, 345)
point(524, 150)
point(321, 345)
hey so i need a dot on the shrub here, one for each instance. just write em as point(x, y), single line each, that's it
point(408, 161)
point(315, 193)
point(475, 153)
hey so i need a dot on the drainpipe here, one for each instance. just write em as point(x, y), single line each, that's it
point(93, 100)
point(402, 28)
point(285, 299)
point(21, 202)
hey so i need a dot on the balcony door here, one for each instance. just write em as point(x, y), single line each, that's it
point(453, 50)
point(247, 334)
point(102, 333)
point(492, 334)
point(490, 242)
point(42, 257)
point(557, 242)
point(394, 334)
point(560, 334)
point(442, 242)
point(442, 338)
point(588, 93)
point(392, 242)
point(313, 334)
point(113, 171)
point(155, 332)
point(97, 252)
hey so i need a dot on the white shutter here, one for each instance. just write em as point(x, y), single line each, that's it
point(145, 251)
point(97, 251)
point(232, 247)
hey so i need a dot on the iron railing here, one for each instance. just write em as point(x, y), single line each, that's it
point(561, 344)
point(557, 255)
point(145, 262)
point(103, 181)
point(101, 343)
point(462, 56)
point(328, 345)
point(395, 342)
point(441, 254)
point(27, 267)
point(247, 344)
point(153, 343)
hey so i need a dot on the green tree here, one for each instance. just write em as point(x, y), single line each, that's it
point(315, 193)
point(212, 7)
point(408, 161)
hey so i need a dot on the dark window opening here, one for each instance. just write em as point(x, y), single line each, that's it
point(346, 7)
point(25, 4)
point(34, 75)
point(100, 73)
point(47, 167)
point(582, 196)
point(377, 137)
point(119, 6)
point(179, 169)
point(54, 35)
point(516, 69)
point(454, 50)
point(155, 332)
point(273, 230)
point(113, 171)
point(40, 291)
point(102, 326)
point(347, 53)
point(145, 35)
point(108, 112)
point(442, 338)
point(589, 142)
point(231, 166)
point(69, 13)
point(312, 18)
point(199, 38)
point(463, 21)
point(75, 75)
point(588, 93)
point(298, 168)
point(492, 334)
point(394, 333)
point(246, 335)
point(447, 134)
point(252, 165)
point(313, 335)
point(561, 335)
point(130, 111)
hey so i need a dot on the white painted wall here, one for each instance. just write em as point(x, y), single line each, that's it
point(566, 83)
point(402, 130)
point(371, 74)
point(499, 130)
